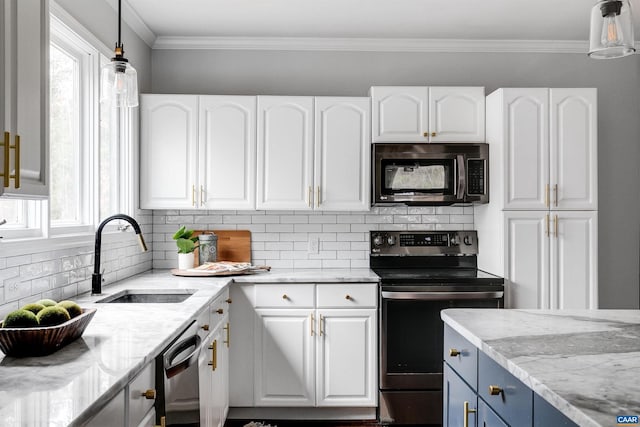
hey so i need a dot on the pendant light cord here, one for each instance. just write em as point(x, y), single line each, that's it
point(119, 23)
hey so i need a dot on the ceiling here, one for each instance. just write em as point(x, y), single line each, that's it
point(487, 20)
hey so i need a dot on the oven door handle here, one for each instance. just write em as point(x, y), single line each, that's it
point(173, 368)
point(440, 296)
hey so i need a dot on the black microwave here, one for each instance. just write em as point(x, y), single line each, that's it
point(430, 174)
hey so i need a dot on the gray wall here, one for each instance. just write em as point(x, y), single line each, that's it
point(352, 73)
point(102, 20)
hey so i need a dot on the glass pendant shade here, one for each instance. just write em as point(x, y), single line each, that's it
point(119, 84)
point(611, 30)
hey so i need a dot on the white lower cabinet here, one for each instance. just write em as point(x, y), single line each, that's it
point(551, 259)
point(313, 346)
point(213, 366)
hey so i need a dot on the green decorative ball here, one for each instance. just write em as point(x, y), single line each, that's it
point(52, 316)
point(20, 319)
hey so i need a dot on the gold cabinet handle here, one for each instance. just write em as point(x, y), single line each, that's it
point(285, 297)
point(466, 413)
point(204, 327)
point(425, 134)
point(318, 197)
point(321, 322)
point(348, 297)
point(228, 300)
point(555, 225)
point(312, 320)
point(546, 195)
point(214, 355)
point(193, 195)
point(228, 329)
point(555, 195)
point(163, 422)
point(494, 390)
point(220, 311)
point(149, 394)
point(16, 152)
point(6, 163)
point(309, 194)
point(433, 134)
point(453, 352)
point(547, 222)
point(202, 195)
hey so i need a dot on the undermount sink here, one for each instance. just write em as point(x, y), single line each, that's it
point(148, 296)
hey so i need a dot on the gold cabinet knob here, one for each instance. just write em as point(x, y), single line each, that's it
point(220, 311)
point(426, 134)
point(433, 134)
point(494, 390)
point(285, 297)
point(149, 394)
point(453, 352)
point(348, 297)
point(204, 327)
point(228, 301)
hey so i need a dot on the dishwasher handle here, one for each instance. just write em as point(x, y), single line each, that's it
point(440, 296)
point(173, 368)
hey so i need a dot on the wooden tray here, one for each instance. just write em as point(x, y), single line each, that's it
point(233, 245)
point(192, 273)
point(41, 341)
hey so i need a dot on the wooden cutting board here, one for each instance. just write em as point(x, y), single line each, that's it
point(233, 245)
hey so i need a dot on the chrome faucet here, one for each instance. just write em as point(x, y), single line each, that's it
point(96, 278)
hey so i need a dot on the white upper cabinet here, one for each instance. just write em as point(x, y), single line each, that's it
point(227, 157)
point(456, 114)
point(548, 139)
point(427, 114)
point(168, 152)
point(24, 91)
point(342, 154)
point(197, 152)
point(574, 149)
point(285, 152)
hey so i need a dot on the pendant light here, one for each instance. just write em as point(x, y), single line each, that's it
point(611, 30)
point(119, 80)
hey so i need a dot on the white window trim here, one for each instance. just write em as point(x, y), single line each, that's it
point(44, 242)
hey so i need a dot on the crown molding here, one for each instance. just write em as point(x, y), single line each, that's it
point(371, 44)
point(134, 21)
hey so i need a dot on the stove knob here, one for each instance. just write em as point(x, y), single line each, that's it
point(454, 240)
point(391, 240)
point(468, 240)
point(378, 240)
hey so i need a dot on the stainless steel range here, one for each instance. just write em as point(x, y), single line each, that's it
point(422, 273)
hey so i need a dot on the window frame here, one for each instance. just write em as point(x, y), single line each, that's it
point(18, 241)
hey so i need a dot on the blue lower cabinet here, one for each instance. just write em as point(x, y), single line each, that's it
point(488, 418)
point(459, 402)
point(545, 415)
point(509, 397)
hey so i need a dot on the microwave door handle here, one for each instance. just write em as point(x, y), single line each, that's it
point(462, 177)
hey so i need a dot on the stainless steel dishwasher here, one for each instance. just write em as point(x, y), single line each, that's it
point(178, 381)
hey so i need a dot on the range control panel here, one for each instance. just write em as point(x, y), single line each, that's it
point(424, 243)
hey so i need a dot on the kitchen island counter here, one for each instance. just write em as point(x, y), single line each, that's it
point(585, 363)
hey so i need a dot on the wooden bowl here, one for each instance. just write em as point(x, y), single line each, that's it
point(41, 341)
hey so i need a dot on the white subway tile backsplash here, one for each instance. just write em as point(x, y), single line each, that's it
point(323, 219)
point(307, 228)
point(336, 228)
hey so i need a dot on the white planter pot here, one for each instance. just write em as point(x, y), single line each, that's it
point(185, 261)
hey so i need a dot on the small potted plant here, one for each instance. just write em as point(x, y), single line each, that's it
point(186, 242)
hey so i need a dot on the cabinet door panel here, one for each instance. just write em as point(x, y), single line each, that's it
point(168, 151)
point(527, 259)
point(342, 154)
point(346, 367)
point(526, 149)
point(545, 415)
point(574, 256)
point(574, 151)
point(488, 418)
point(284, 354)
point(399, 113)
point(456, 114)
point(285, 152)
point(455, 393)
point(227, 142)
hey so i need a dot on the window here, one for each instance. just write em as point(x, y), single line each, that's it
point(90, 163)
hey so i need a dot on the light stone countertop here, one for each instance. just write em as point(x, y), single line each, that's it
point(74, 383)
point(585, 363)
